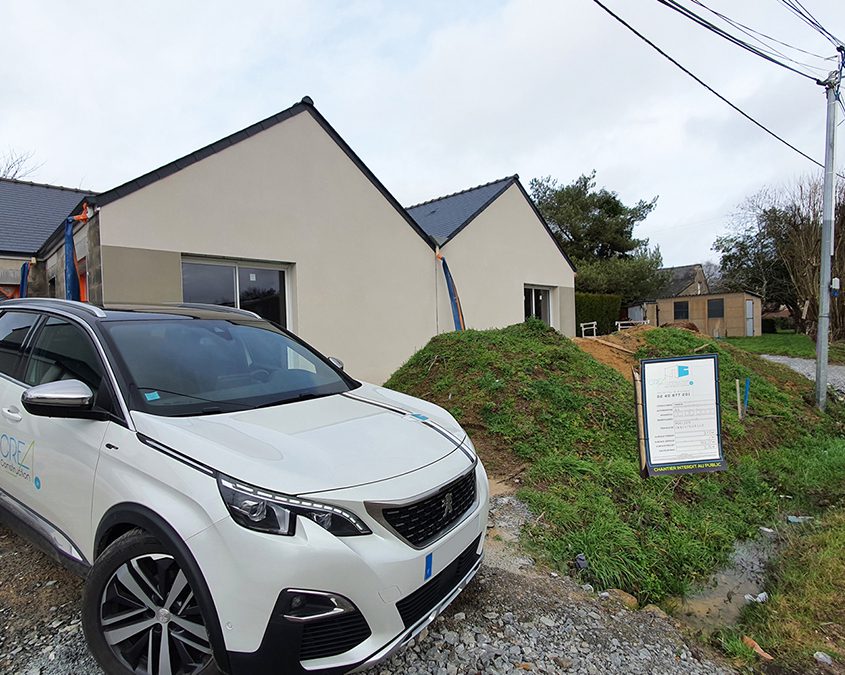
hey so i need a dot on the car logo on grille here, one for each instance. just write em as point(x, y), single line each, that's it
point(447, 505)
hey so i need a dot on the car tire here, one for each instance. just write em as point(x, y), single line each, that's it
point(135, 595)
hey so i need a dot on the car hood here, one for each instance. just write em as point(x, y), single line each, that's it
point(366, 436)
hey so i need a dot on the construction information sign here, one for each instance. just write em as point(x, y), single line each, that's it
point(681, 415)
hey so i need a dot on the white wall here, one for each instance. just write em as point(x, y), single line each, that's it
point(494, 257)
point(362, 276)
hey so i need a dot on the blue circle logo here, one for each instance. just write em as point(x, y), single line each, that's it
point(37, 483)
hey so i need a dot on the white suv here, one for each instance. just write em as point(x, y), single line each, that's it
point(234, 499)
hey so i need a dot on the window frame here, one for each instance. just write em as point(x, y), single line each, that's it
point(676, 304)
point(236, 264)
point(23, 356)
point(721, 301)
point(40, 327)
point(548, 290)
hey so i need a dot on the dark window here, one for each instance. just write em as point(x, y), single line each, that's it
point(211, 284)
point(51, 288)
point(682, 311)
point(263, 291)
point(63, 351)
point(536, 302)
point(258, 289)
point(716, 309)
point(13, 329)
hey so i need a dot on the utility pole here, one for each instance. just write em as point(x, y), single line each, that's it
point(823, 326)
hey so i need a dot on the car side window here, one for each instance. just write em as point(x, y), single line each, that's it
point(14, 327)
point(63, 351)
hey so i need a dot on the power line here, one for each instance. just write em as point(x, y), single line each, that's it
point(753, 33)
point(804, 14)
point(705, 85)
point(701, 21)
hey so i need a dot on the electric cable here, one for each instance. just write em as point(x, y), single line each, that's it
point(707, 86)
point(757, 35)
point(804, 14)
point(688, 13)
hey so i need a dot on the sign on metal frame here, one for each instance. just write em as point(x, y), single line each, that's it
point(680, 416)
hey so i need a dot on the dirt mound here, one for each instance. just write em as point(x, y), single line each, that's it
point(617, 350)
point(686, 325)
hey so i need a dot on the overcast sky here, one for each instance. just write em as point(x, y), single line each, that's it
point(435, 96)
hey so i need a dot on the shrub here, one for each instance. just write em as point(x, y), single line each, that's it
point(769, 325)
point(603, 309)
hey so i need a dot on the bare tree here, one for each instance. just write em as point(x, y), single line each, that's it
point(17, 165)
point(713, 273)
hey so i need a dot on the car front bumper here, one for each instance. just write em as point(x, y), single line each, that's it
point(396, 589)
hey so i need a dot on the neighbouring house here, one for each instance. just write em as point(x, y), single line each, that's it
point(717, 314)
point(29, 213)
point(685, 280)
point(507, 263)
point(682, 280)
point(284, 219)
point(686, 298)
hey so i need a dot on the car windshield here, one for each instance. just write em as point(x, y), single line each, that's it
point(180, 367)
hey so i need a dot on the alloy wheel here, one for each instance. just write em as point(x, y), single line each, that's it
point(151, 620)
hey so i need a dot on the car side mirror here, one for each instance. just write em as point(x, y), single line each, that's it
point(336, 362)
point(64, 398)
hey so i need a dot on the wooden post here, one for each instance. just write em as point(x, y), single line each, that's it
point(738, 401)
point(638, 398)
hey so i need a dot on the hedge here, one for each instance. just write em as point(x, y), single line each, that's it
point(604, 309)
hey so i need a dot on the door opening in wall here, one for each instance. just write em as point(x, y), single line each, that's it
point(537, 303)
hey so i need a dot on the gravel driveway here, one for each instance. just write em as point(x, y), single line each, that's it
point(514, 618)
point(807, 367)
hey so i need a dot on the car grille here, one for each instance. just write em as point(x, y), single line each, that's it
point(333, 635)
point(429, 595)
point(424, 521)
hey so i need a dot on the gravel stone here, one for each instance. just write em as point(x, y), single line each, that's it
point(509, 621)
point(807, 367)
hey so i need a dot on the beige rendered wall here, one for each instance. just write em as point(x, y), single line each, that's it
point(494, 257)
point(731, 325)
point(361, 277)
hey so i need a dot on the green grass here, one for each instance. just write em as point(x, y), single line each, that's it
point(532, 400)
point(788, 344)
point(805, 613)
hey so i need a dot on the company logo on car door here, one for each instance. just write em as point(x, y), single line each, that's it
point(17, 457)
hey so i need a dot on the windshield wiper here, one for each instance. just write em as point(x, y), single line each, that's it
point(239, 406)
point(292, 399)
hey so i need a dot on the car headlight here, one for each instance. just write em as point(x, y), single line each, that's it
point(264, 511)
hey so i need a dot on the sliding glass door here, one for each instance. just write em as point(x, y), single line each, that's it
point(258, 289)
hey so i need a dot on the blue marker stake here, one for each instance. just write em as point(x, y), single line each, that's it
point(747, 390)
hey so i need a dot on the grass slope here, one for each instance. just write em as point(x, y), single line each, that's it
point(532, 400)
point(788, 344)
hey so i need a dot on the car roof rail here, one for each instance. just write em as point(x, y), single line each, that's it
point(215, 308)
point(57, 303)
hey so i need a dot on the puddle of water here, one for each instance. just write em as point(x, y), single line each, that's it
point(720, 602)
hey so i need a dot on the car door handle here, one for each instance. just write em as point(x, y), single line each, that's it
point(12, 414)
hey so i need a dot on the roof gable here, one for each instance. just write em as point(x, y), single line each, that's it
point(305, 105)
point(442, 218)
point(681, 278)
point(30, 212)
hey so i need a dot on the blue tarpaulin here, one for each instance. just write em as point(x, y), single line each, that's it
point(24, 279)
point(457, 311)
point(71, 271)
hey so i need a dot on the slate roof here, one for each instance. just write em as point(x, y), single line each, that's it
point(442, 218)
point(30, 213)
point(681, 277)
